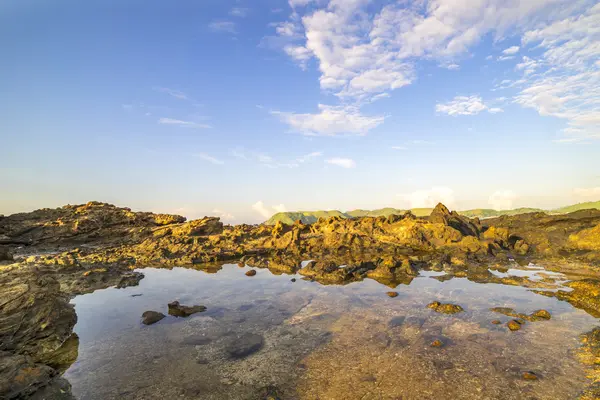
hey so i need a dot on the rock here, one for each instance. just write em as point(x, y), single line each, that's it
point(252, 272)
point(269, 393)
point(200, 227)
point(244, 345)
point(396, 322)
point(437, 343)
point(514, 325)
point(496, 322)
point(392, 294)
point(196, 340)
point(530, 376)
point(445, 308)
point(5, 255)
point(179, 310)
point(540, 315)
point(293, 279)
point(151, 317)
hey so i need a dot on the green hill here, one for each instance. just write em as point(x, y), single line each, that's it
point(577, 207)
point(309, 217)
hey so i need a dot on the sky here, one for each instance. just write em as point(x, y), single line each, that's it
point(240, 108)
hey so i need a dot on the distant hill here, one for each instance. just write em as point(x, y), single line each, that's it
point(577, 207)
point(309, 217)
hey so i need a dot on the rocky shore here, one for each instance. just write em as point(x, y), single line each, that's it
point(50, 255)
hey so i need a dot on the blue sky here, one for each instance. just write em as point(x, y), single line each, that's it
point(244, 108)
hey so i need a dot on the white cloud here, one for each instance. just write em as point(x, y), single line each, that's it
point(224, 215)
point(365, 49)
point(331, 121)
point(239, 12)
point(223, 26)
point(465, 105)
point(172, 92)
point(342, 162)
point(309, 156)
point(428, 197)
point(506, 58)
point(502, 199)
point(564, 82)
point(399, 147)
point(183, 124)
point(209, 158)
point(511, 50)
point(267, 212)
point(588, 193)
point(280, 208)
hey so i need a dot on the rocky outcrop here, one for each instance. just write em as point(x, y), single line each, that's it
point(78, 249)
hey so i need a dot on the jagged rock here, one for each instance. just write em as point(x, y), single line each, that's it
point(179, 310)
point(199, 227)
point(151, 317)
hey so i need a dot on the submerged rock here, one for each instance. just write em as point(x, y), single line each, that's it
point(179, 310)
point(514, 325)
point(151, 317)
point(538, 315)
point(244, 345)
point(445, 308)
point(252, 272)
point(530, 376)
point(392, 294)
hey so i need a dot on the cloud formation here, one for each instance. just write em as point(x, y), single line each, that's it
point(183, 124)
point(341, 162)
point(365, 49)
point(223, 27)
point(267, 212)
point(502, 199)
point(428, 198)
point(209, 158)
point(331, 121)
point(465, 105)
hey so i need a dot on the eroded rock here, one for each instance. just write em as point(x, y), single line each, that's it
point(178, 310)
point(151, 317)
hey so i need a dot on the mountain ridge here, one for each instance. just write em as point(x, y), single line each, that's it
point(309, 217)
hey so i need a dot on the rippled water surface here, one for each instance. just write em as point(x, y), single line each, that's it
point(266, 335)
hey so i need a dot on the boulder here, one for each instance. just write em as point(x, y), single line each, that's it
point(151, 317)
point(179, 310)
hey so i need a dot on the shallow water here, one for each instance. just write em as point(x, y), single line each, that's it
point(323, 342)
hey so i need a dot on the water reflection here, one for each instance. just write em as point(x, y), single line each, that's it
point(265, 334)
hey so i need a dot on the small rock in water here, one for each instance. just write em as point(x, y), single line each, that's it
point(244, 345)
point(530, 376)
point(496, 322)
point(392, 294)
point(514, 325)
point(136, 295)
point(396, 322)
point(251, 273)
point(541, 314)
point(179, 310)
point(293, 279)
point(151, 317)
point(437, 343)
point(241, 264)
point(445, 308)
